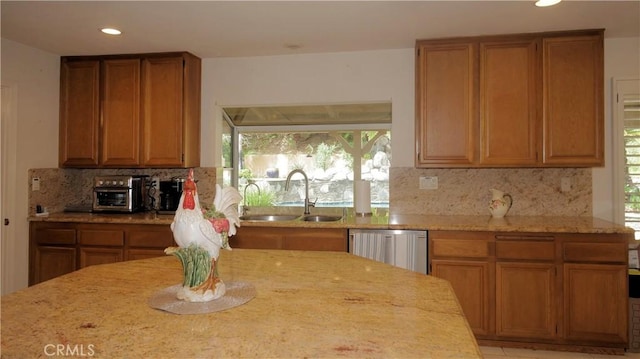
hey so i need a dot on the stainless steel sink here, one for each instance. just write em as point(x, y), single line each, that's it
point(321, 218)
point(268, 217)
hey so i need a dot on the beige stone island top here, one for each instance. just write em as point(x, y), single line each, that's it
point(308, 304)
point(382, 220)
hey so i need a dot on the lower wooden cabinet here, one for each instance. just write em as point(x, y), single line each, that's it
point(594, 311)
point(58, 248)
point(471, 283)
point(50, 262)
point(96, 255)
point(308, 239)
point(525, 294)
point(538, 289)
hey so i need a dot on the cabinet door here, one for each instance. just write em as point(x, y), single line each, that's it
point(446, 104)
point(99, 255)
point(595, 303)
point(51, 262)
point(525, 295)
point(508, 103)
point(162, 110)
point(120, 113)
point(257, 238)
point(471, 283)
point(79, 113)
point(573, 114)
point(315, 239)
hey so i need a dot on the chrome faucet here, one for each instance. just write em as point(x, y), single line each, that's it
point(245, 208)
point(307, 203)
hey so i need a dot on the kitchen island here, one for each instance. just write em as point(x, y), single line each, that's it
point(308, 304)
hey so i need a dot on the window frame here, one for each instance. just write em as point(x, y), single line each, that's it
point(236, 131)
point(622, 87)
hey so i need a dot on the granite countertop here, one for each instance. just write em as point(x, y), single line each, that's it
point(308, 304)
point(380, 219)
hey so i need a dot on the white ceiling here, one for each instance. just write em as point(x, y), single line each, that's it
point(244, 28)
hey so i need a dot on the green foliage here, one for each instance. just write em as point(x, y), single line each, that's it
point(245, 173)
point(226, 150)
point(324, 155)
point(264, 198)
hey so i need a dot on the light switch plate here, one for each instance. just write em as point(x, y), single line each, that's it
point(428, 182)
point(35, 183)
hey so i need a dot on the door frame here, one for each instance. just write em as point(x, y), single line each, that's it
point(8, 174)
point(620, 86)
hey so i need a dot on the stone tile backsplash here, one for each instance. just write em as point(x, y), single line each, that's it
point(61, 187)
point(535, 191)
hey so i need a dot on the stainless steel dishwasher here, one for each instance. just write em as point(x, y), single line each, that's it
point(404, 249)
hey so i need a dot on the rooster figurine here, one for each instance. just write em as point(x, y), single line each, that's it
point(200, 235)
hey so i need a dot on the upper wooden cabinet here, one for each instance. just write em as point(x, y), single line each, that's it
point(79, 113)
point(120, 113)
point(130, 111)
point(446, 103)
point(531, 100)
point(573, 100)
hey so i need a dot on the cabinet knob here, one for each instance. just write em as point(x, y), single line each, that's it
point(6, 221)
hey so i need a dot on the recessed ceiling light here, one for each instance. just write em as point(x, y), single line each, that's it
point(111, 31)
point(543, 3)
point(293, 46)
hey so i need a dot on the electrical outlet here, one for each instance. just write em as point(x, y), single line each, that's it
point(428, 182)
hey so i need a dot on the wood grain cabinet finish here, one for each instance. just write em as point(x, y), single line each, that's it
point(545, 290)
point(573, 100)
point(526, 286)
point(120, 113)
point(79, 113)
point(58, 248)
point(310, 239)
point(508, 102)
point(529, 100)
point(463, 259)
point(595, 290)
point(446, 104)
point(101, 244)
point(148, 114)
point(52, 251)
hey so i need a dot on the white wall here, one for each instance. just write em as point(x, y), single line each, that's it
point(621, 59)
point(36, 76)
point(312, 79)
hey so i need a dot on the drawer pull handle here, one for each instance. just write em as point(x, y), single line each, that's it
point(534, 238)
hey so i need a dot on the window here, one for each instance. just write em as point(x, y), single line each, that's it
point(333, 156)
point(627, 117)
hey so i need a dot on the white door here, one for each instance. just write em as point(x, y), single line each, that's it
point(8, 135)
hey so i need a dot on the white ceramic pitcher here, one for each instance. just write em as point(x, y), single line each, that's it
point(500, 203)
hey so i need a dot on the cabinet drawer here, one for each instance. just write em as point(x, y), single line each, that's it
point(525, 250)
point(151, 239)
point(101, 237)
point(595, 252)
point(467, 248)
point(55, 236)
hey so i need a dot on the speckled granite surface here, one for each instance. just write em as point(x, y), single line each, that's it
point(308, 304)
point(465, 191)
point(383, 220)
